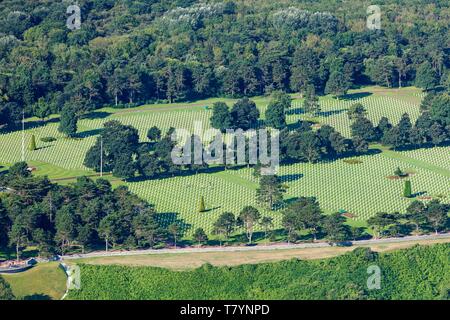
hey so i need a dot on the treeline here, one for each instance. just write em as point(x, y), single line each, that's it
point(122, 153)
point(432, 128)
point(134, 52)
point(86, 214)
point(339, 278)
point(90, 215)
point(305, 215)
point(126, 157)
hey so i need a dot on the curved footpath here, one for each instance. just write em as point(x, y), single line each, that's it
point(284, 246)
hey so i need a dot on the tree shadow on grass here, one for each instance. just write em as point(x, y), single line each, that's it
point(180, 173)
point(97, 115)
point(290, 200)
point(331, 113)
point(356, 96)
point(89, 133)
point(37, 296)
point(44, 147)
point(32, 124)
point(37, 123)
point(418, 194)
point(370, 152)
point(290, 177)
point(296, 111)
point(297, 125)
point(168, 218)
point(428, 145)
point(211, 209)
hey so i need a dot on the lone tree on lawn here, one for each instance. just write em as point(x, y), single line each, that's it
point(270, 190)
point(225, 225)
point(32, 146)
point(436, 215)
point(356, 110)
point(68, 123)
point(335, 228)
point(267, 224)
point(399, 173)
point(416, 214)
point(154, 133)
point(200, 236)
point(249, 217)
point(311, 104)
point(407, 191)
point(221, 117)
point(17, 237)
point(174, 230)
point(201, 206)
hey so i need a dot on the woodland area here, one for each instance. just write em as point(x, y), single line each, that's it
point(133, 52)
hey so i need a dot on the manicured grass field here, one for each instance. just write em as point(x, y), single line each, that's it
point(361, 189)
point(43, 282)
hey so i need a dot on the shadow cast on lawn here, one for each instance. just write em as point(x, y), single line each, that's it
point(37, 296)
point(428, 145)
point(418, 194)
point(331, 113)
point(291, 177)
point(168, 218)
point(97, 115)
point(181, 173)
point(89, 133)
point(356, 96)
point(45, 147)
point(211, 209)
point(33, 124)
point(296, 111)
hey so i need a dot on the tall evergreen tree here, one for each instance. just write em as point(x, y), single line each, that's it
point(270, 191)
point(68, 123)
point(221, 117)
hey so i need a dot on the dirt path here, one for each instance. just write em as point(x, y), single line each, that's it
point(418, 163)
point(182, 261)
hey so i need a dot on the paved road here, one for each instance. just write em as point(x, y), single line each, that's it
point(254, 248)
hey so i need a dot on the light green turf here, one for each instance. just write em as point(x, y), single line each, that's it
point(43, 282)
point(362, 189)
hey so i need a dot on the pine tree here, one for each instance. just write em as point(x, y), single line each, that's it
point(32, 146)
point(68, 124)
point(407, 191)
point(200, 236)
point(201, 207)
point(311, 104)
point(398, 172)
point(5, 290)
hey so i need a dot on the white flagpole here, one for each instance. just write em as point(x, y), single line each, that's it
point(23, 135)
point(101, 156)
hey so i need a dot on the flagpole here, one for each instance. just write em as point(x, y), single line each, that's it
point(101, 156)
point(23, 135)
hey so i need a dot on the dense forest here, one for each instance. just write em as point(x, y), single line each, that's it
point(132, 52)
point(415, 273)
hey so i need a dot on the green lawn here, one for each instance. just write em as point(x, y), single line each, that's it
point(362, 189)
point(43, 282)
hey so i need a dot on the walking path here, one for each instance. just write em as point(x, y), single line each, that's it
point(418, 163)
point(284, 246)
